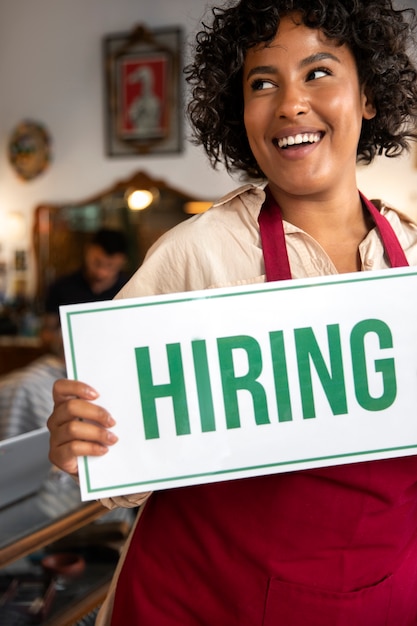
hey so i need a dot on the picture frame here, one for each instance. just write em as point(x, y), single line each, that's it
point(143, 104)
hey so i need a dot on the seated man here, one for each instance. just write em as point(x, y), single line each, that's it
point(101, 276)
point(26, 393)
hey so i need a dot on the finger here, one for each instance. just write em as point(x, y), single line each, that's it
point(78, 426)
point(78, 438)
point(64, 389)
point(76, 409)
point(79, 430)
point(66, 456)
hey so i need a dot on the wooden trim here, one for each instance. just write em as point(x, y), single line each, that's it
point(52, 532)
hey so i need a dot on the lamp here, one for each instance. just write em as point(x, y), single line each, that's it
point(140, 199)
point(15, 227)
point(197, 206)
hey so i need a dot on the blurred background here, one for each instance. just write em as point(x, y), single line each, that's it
point(52, 72)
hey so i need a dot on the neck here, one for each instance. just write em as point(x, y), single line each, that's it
point(324, 212)
point(338, 225)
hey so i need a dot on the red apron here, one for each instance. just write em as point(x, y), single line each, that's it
point(333, 546)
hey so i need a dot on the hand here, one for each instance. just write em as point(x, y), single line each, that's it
point(77, 426)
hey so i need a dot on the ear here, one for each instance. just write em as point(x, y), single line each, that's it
point(368, 107)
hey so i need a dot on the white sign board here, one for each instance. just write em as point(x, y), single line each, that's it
point(223, 384)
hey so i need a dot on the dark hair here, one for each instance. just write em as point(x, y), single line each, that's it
point(379, 36)
point(111, 241)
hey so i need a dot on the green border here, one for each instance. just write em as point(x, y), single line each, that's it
point(210, 295)
point(238, 471)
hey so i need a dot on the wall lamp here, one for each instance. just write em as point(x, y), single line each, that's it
point(140, 199)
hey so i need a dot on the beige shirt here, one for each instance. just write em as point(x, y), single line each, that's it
point(222, 248)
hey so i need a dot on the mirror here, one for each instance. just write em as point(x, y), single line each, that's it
point(60, 231)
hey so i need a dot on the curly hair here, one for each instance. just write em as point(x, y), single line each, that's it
point(378, 35)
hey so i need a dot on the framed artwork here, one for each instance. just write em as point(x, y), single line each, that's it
point(143, 92)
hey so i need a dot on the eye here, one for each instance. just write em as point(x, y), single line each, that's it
point(259, 84)
point(319, 72)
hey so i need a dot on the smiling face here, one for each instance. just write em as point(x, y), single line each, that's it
point(303, 112)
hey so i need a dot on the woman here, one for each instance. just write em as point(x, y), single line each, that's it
point(292, 93)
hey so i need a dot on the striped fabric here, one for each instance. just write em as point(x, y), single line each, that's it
point(26, 395)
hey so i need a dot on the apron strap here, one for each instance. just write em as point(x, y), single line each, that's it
point(277, 265)
point(392, 246)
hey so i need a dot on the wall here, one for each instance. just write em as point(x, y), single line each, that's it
point(51, 71)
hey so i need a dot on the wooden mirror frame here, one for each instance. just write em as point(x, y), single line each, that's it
point(60, 231)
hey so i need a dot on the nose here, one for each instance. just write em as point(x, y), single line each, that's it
point(103, 272)
point(292, 101)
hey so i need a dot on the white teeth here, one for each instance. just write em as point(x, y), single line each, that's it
point(292, 140)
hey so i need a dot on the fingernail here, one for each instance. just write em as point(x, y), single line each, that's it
point(111, 437)
point(91, 393)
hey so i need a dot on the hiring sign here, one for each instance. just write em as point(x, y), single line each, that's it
point(229, 383)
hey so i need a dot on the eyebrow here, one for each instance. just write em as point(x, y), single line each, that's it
point(313, 58)
point(320, 56)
